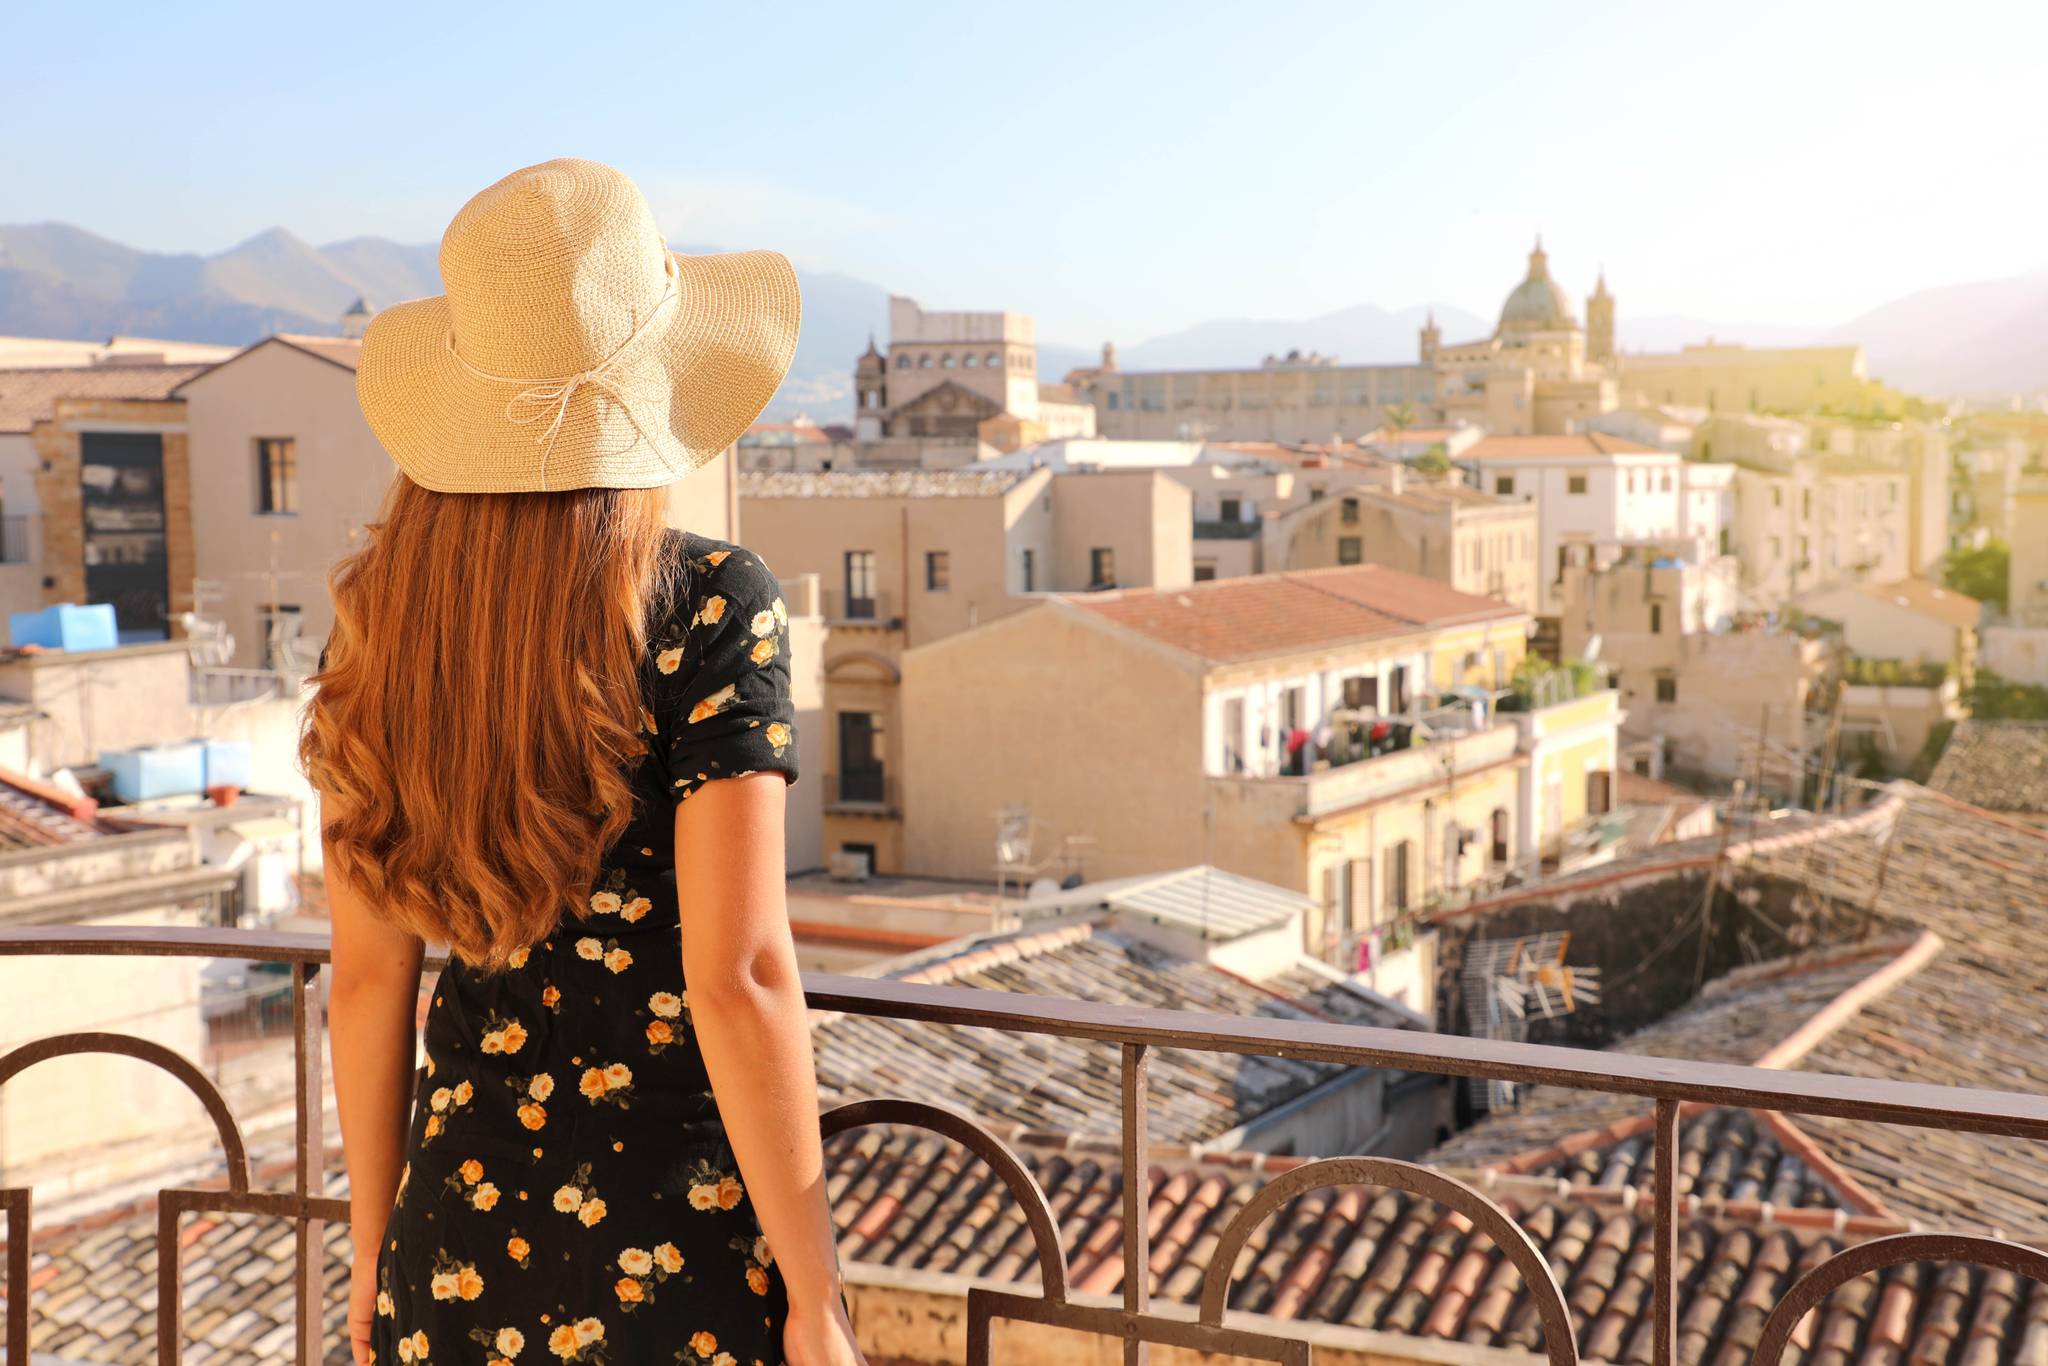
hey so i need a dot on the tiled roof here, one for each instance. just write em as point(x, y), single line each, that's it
point(1928, 600)
point(35, 815)
point(1268, 615)
point(1356, 1257)
point(1069, 1085)
point(343, 351)
point(1969, 1014)
point(1207, 902)
point(1393, 1262)
point(1585, 445)
point(2000, 765)
point(879, 483)
point(29, 396)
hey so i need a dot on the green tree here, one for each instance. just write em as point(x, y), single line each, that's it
point(1982, 573)
point(1991, 697)
point(1434, 461)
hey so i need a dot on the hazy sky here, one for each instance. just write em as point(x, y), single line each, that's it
point(1119, 169)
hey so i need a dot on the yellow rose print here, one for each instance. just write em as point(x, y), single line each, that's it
point(711, 613)
point(472, 1171)
point(618, 960)
point(716, 558)
point(763, 651)
point(668, 1258)
point(484, 1197)
point(714, 704)
point(562, 1342)
point(635, 910)
point(532, 1116)
point(763, 623)
point(666, 1004)
point(591, 1212)
point(629, 1291)
point(636, 1261)
point(413, 1348)
point(670, 659)
point(781, 611)
point(589, 1331)
point(519, 957)
point(518, 1249)
point(541, 1087)
point(568, 1199)
point(551, 996)
point(589, 948)
point(703, 1344)
point(729, 1192)
point(604, 903)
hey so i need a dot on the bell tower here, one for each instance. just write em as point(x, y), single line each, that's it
point(1600, 323)
point(1432, 338)
point(870, 392)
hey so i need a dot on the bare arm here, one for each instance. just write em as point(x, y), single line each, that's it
point(372, 1004)
point(747, 1011)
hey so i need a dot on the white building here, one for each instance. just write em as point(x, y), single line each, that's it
point(1596, 493)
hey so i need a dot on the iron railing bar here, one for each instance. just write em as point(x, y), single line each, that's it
point(309, 1248)
point(1916, 1104)
point(1664, 1280)
point(1137, 1145)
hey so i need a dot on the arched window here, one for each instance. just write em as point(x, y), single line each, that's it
point(902, 360)
point(946, 361)
point(970, 360)
point(924, 362)
point(995, 359)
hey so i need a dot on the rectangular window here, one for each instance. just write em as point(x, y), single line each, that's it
point(1397, 876)
point(938, 571)
point(1575, 483)
point(1667, 688)
point(1205, 571)
point(1030, 572)
point(1102, 567)
point(1233, 735)
point(1350, 550)
point(1599, 792)
point(277, 475)
point(860, 585)
point(1362, 693)
point(1504, 485)
point(1230, 510)
point(1777, 496)
point(1397, 689)
point(1350, 512)
point(1656, 618)
point(860, 757)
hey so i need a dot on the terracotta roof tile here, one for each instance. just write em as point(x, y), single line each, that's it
point(1269, 615)
point(1928, 600)
point(1999, 765)
point(1586, 445)
point(29, 396)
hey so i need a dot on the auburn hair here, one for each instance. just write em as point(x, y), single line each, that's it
point(479, 705)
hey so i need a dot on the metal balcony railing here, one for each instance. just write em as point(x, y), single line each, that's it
point(1668, 1087)
point(878, 610)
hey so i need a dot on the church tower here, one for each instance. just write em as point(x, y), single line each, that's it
point(1432, 338)
point(1600, 323)
point(870, 392)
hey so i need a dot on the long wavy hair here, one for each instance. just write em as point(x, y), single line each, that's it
point(479, 706)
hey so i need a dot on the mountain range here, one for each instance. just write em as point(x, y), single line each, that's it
point(1983, 339)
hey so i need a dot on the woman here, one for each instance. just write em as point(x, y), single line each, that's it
point(554, 736)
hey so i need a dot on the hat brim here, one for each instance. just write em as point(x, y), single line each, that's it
point(717, 360)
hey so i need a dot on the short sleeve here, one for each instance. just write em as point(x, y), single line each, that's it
point(720, 682)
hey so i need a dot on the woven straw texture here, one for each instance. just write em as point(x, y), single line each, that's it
point(572, 348)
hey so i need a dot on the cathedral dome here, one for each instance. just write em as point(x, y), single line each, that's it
point(1537, 304)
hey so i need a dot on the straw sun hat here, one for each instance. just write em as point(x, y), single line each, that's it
point(573, 349)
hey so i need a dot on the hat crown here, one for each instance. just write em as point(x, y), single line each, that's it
point(552, 269)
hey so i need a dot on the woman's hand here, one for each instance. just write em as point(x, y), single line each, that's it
point(820, 1337)
point(362, 1305)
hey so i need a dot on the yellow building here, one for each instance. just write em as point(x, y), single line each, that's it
point(1296, 728)
point(904, 558)
point(1731, 377)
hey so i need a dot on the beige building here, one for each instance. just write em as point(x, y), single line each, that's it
point(2027, 592)
point(945, 373)
point(910, 557)
point(1539, 371)
point(1816, 523)
point(1475, 542)
point(1906, 621)
point(1701, 694)
point(1731, 377)
point(1283, 727)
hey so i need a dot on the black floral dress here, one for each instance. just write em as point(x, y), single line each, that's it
point(569, 1193)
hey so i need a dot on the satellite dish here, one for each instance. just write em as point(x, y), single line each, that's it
point(1043, 887)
